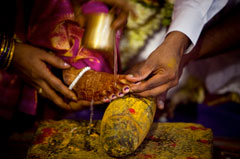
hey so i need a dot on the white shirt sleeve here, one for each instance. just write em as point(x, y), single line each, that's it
point(190, 16)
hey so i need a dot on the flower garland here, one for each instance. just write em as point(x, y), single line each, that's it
point(150, 18)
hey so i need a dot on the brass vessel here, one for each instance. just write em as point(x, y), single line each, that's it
point(98, 34)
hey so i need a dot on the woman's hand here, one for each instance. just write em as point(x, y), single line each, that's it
point(31, 64)
point(82, 104)
point(160, 71)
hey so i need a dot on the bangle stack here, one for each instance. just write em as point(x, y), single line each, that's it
point(6, 51)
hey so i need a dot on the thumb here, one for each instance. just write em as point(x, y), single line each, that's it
point(139, 74)
point(54, 61)
point(161, 100)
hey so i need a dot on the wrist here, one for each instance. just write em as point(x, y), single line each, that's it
point(178, 40)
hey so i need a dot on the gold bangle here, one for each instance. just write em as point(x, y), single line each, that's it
point(3, 45)
point(12, 47)
point(4, 54)
point(6, 44)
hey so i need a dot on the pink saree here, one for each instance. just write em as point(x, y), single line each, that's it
point(55, 28)
point(52, 26)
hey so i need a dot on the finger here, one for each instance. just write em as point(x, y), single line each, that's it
point(151, 83)
point(120, 94)
point(143, 72)
point(81, 104)
point(158, 90)
point(51, 94)
point(123, 86)
point(134, 68)
point(54, 61)
point(106, 100)
point(161, 100)
point(112, 97)
point(126, 89)
point(75, 106)
point(122, 79)
point(120, 21)
point(57, 84)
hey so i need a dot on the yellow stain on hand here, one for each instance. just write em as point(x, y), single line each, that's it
point(172, 63)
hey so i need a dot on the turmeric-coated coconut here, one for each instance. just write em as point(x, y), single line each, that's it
point(125, 124)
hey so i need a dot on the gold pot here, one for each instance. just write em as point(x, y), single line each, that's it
point(98, 34)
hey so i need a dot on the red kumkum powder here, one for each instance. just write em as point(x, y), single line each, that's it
point(132, 110)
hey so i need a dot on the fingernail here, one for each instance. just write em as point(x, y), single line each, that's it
point(120, 94)
point(114, 96)
point(106, 99)
point(66, 64)
point(130, 75)
point(74, 98)
point(126, 89)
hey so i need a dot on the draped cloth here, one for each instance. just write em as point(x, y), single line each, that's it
point(52, 26)
point(55, 28)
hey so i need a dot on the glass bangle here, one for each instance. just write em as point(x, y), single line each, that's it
point(11, 54)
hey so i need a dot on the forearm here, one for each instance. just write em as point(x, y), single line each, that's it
point(220, 37)
point(189, 17)
point(178, 40)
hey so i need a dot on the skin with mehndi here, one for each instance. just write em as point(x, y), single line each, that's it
point(97, 86)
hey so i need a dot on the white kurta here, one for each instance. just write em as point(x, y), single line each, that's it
point(190, 16)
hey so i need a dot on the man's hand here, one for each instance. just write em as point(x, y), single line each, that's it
point(31, 64)
point(160, 71)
